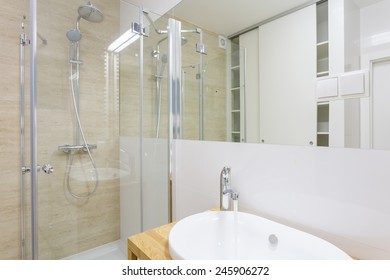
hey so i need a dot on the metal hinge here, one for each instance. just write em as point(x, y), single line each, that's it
point(136, 27)
point(201, 48)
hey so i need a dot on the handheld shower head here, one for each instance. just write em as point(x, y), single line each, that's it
point(74, 35)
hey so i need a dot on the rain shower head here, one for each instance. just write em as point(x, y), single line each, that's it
point(90, 13)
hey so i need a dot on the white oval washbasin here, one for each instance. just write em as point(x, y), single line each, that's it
point(229, 235)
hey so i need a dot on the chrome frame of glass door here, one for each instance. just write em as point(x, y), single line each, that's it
point(33, 129)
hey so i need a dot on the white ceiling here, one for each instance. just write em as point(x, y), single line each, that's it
point(227, 17)
point(230, 16)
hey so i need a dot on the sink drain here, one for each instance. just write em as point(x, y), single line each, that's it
point(273, 240)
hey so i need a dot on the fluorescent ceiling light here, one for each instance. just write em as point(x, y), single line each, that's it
point(123, 41)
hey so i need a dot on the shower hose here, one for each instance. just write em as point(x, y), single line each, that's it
point(71, 154)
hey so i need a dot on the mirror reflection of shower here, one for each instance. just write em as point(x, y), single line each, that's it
point(89, 13)
point(161, 62)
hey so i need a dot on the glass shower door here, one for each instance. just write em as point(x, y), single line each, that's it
point(78, 127)
point(102, 128)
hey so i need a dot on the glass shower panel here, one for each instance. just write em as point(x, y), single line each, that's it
point(77, 85)
point(155, 124)
point(130, 116)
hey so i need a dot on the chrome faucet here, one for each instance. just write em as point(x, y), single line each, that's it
point(226, 191)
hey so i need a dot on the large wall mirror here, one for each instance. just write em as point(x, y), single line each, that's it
point(288, 72)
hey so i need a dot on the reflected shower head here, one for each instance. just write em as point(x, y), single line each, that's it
point(184, 40)
point(155, 53)
point(74, 35)
point(164, 58)
point(90, 13)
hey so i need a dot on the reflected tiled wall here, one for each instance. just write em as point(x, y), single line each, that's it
point(214, 87)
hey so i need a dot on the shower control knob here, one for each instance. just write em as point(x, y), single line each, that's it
point(47, 168)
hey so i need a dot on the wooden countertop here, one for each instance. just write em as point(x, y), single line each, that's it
point(151, 244)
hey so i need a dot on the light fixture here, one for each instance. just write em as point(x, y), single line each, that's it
point(127, 38)
point(123, 41)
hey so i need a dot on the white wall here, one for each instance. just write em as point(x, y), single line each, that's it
point(341, 195)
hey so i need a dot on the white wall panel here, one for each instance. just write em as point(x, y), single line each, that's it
point(250, 41)
point(287, 81)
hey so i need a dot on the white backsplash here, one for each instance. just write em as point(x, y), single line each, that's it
point(341, 195)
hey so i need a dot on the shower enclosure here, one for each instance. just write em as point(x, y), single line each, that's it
point(93, 125)
point(110, 88)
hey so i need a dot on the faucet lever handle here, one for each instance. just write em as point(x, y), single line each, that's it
point(225, 175)
point(226, 170)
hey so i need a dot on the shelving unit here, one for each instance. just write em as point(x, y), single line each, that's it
point(323, 124)
point(322, 71)
point(235, 91)
point(322, 39)
point(322, 59)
